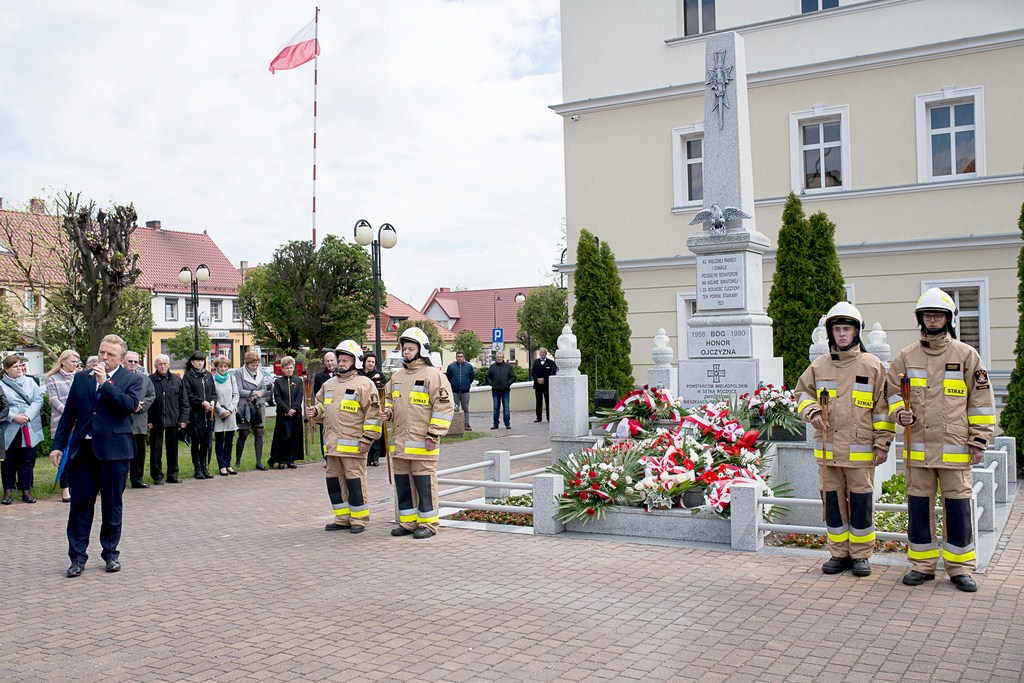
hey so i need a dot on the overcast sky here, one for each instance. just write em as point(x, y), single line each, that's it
point(433, 116)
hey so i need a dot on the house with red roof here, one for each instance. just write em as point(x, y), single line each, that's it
point(393, 312)
point(482, 311)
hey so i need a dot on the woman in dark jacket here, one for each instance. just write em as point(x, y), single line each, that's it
point(377, 377)
point(201, 398)
point(289, 393)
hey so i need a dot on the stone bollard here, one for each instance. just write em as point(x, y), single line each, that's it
point(878, 344)
point(547, 489)
point(819, 341)
point(986, 499)
point(662, 374)
point(1011, 452)
point(745, 516)
point(1002, 479)
point(569, 399)
point(501, 470)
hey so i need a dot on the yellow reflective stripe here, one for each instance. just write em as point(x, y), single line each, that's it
point(896, 405)
point(863, 399)
point(371, 428)
point(956, 457)
point(817, 454)
point(350, 406)
point(866, 538)
point(407, 518)
point(359, 514)
point(804, 404)
point(884, 426)
point(438, 422)
point(953, 557)
point(427, 520)
point(919, 381)
point(391, 449)
point(861, 457)
point(916, 454)
point(422, 451)
point(340, 511)
point(395, 393)
point(346, 449)
point(923, 554)
point(981, 419)
point(839, 538)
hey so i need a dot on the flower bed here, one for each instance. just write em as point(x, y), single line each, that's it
point(494, 517)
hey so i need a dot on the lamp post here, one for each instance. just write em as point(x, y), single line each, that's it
point(186, 278)
point(521, 299)
point(387, 237)
point(497, 298)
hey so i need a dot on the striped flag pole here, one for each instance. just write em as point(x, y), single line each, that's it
point(316, 60)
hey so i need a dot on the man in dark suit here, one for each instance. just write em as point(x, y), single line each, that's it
point(542, 369)
point(96, 429)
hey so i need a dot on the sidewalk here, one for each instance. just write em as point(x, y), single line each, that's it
point(235, 579)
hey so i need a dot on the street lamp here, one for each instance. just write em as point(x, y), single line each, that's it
point(497, 298)
point(521, 299)
point(387, 237)
point(185, 277)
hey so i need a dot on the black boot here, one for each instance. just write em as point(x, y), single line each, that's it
point(198, 469)
point(836, 565)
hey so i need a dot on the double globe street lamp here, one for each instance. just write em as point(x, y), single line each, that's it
point(186, 278)
point(387, 237)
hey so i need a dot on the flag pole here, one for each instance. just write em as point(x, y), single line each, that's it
point(316, 58)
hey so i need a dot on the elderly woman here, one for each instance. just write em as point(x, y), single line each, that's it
point(58, 384)
point(251, 407)
point(225, 407)
point(201, 396)
point(371, 371)
point(23, 428)
point(289, 393)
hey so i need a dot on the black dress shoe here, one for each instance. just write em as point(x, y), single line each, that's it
point(261, 468)
point(292, 466)
point(508, 426)
point(200, 475)
point(538, 420)
point(74, 570)
point(494, 427)
point(332, 526)
point(113, 565)
point(836, 565)
point(861, 568)
point(6, 500)
point(140, 485)
point(422, 532)
point(916, 578)
point(400, 531)
point(158, 482)
point(27, 497)
point(173, 480)
point(965, 583)
point(357, 529)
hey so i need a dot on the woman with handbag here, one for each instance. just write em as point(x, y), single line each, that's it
point(251, 407)
point(23, 428)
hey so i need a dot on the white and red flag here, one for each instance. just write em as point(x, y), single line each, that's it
point(301, 48)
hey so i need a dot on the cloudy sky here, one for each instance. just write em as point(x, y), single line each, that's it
point(433, 116)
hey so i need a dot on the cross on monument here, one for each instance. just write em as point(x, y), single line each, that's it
point(716, 373)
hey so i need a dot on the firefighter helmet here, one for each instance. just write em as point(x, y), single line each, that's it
point(415, 334)
point(353, 349)
point(844, 312)
point(938, 301)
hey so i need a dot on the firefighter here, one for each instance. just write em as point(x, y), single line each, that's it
point(419, 400)
point(857, 436)
point(949, 420)
point(349, 408)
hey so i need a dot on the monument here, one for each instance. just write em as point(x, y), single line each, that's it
point(729, 347)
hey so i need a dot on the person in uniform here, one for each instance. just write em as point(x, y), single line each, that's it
point(419, 400)
point(950, 420)
point(348, 408)
point(857, 436)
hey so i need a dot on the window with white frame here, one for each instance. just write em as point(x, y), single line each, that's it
point(236, 311)
point(808, 6)
point(190, 311)
point(820, 149)
point(216, 308)
point(688, 165)
point(850, 292)
point(950, 134)
point(170, 310)
point(971, 298)
point(698, 16)
point(33, 302)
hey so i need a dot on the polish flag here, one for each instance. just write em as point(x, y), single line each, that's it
point(301, 48)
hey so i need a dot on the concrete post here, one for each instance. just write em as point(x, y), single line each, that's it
point(986, 499)
point(1002, 480)
point(662, 374)
point(501, 470)
point(569, 399)
point(1011, 451)
point(745, 516)
point(547, 489)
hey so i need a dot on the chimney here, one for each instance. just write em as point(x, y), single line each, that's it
point(37, 205)
point(443, 289)
point(153, 224)
point(1, 203)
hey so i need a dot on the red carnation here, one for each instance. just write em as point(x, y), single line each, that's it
point(591, 511)
point(565, 495)
point(688, 464)
point(583, 495)
point(595, 485)
point(593, 475)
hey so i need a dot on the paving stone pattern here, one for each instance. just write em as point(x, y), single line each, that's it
point(234, 579)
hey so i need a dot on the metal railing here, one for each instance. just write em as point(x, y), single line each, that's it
point(497, 482)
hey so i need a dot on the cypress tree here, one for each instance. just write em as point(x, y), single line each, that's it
point(599, 318)
point(1012, 419)
point(827, 287)
point(793, 314)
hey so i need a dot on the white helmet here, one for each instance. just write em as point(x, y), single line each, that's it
point(937, 300)
point(844, 312)
point(415, 334)
point(353, 349)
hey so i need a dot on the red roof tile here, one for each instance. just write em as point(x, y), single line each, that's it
point(396, 308)
point(479, 310)
point(30, 231)
point(164, 252)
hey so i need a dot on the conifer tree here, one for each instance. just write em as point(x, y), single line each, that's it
point(794, 316)
point(827, 286)
point(1012, 419)
point(599, 318)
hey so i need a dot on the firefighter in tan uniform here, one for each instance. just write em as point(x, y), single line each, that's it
point(419, 399)
point(857, 437)
point(951, 418)
point(348, 406)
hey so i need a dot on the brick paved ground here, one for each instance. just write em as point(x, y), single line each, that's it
point(234, 579)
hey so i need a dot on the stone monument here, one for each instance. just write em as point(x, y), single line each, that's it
point(729, 346)
point(662, 374)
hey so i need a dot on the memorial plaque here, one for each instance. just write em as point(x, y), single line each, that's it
point(708, 381)
point(721, 281)
point(722, 342)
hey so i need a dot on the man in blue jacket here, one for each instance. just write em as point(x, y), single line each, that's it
point(96, 430)
point(460, 376)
